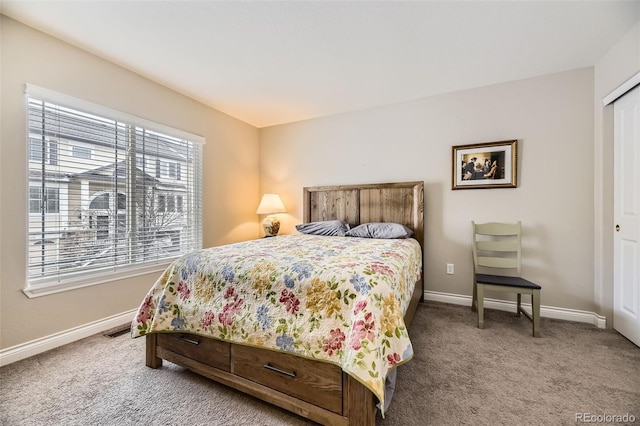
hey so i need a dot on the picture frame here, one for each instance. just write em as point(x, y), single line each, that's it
point(485, 165)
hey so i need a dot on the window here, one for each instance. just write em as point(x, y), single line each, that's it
point(171, 204)
point(43, 149)
point(162, 203)
point(179, 203)
point(95, 212)
point(81, 152)
point(166, 169)
point(50, 203)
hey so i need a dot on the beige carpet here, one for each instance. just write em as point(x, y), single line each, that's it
point(459, 375)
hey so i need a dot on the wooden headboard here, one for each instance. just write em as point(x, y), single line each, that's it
point(400, 202)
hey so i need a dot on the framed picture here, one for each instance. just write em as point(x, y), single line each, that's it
point(485, 165)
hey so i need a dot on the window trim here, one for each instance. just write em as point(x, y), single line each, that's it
point(82, 280)
point(36, 287)
point(71, 102)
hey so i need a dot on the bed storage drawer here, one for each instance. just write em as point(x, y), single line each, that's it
point(316, 382)
point(212, 352)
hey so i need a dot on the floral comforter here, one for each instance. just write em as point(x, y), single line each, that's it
point(335, 299)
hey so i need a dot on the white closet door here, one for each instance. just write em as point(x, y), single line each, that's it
point(626, 270)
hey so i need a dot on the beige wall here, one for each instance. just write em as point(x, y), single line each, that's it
point(230, 170)
point(562, 186)
point(552, 118)
point(620, 63)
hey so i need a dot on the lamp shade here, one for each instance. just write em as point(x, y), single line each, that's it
point(270, 204)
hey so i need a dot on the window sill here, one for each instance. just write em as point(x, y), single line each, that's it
point(48, 288)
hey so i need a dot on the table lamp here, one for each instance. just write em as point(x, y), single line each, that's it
point(269, 205)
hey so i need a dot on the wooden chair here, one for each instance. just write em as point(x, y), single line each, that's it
point(496, 251)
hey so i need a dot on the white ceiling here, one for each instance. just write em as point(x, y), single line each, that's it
point(273, 62)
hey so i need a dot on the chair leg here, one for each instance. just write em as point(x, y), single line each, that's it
point(535, 312)
point(519, 304)
point(480, 302)
point(474, 301)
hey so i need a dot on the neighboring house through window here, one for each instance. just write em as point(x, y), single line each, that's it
point(109, 194)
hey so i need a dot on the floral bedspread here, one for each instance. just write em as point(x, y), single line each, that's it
point(335, 299)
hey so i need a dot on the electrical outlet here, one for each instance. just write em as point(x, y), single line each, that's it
point(450, 268)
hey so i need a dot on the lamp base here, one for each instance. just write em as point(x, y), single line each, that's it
point(271, 226)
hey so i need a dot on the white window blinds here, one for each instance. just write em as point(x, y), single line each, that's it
point(107, 193)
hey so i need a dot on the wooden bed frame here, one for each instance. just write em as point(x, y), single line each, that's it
point(310, 394)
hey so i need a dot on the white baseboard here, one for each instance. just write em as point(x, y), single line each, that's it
point(34, 347)
point(502, 305)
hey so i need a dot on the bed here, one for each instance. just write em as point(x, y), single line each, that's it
point(335, 380)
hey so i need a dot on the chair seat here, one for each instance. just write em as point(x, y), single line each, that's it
point(506, 281)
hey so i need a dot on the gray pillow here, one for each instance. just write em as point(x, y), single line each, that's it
point(385, 230)
point(332, 228)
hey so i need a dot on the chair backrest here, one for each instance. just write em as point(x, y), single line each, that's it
point(497, 245)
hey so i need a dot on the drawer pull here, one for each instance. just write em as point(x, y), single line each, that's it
point(277, 370)
point(192, 341)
